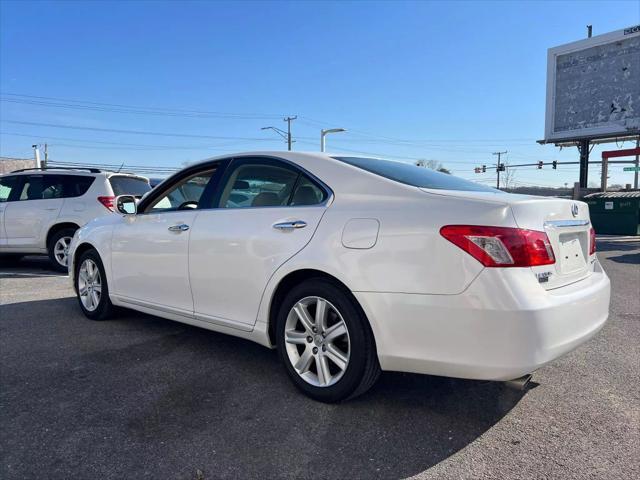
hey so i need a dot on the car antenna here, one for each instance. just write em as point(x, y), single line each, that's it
point(120, 167)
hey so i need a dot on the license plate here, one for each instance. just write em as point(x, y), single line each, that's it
point(571, 255)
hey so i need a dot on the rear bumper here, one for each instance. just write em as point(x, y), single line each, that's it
point(503, 326)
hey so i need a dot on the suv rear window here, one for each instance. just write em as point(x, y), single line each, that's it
point(129, 185)
point(410, 174)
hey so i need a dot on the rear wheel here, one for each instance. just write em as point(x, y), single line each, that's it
point(58, 248)
point(91, 287)
point(325, 342)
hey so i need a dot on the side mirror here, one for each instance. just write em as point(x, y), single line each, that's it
point(126, 204)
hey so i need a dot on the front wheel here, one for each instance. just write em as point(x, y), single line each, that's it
point(325, 342)
point(91, 287)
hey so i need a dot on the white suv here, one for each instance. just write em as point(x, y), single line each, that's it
point(40, 209)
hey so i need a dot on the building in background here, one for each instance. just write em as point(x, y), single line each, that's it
point(8, 164)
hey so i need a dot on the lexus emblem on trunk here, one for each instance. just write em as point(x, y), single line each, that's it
point(574, 209)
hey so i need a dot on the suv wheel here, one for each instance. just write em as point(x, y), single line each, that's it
point(325, 342)
point(59, 248)
point(91, 287)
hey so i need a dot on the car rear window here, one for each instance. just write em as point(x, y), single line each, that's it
point(410, 174)
point(129, 185)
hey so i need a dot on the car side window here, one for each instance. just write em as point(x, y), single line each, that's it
point(307, 193)
point(76, 185)
point(6, 186)
point(183, 195)
point(52, 186)
point(31, 188)
point(258, 185)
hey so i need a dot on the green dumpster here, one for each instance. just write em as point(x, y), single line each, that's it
point(615, 215)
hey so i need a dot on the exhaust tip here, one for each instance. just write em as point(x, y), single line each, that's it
point(519, 383)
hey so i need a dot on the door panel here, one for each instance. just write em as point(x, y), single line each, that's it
point(234, 252)
point(36, 207)
point(149, 261)
point(6, 186)
point(150, 250)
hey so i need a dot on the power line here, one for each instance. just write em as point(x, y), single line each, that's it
point(142, 145)
point(135, 132)
point(121, 108)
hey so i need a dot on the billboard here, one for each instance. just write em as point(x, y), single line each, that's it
point(593, 87)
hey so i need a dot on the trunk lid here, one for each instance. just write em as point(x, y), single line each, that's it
point(566, 223)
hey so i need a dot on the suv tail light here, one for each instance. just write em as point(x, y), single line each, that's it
point(592, 241)
point(501, 246)
point(107, 202)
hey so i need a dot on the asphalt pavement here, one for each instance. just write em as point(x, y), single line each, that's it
point(142, 397)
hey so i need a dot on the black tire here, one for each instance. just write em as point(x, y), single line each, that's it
point(362, 369)
point(105, 308)
point(65, 232)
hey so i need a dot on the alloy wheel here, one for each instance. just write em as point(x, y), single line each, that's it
point(61, 250)
point(89, 285)
point(317, 341)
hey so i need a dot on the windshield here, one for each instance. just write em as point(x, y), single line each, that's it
point(129, 185)
point(410, 174)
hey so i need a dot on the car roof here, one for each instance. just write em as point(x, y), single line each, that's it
point(90, 172)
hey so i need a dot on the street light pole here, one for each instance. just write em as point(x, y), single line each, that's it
point(324, 133)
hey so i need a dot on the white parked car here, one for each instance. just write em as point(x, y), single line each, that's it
point(352, 265)
point(40, 209)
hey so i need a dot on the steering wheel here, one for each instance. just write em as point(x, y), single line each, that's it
point(189, 204)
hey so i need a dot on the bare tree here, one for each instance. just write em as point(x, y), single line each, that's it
point(433, 165)
point(508, 178)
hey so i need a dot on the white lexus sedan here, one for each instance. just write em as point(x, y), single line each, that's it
point(350, 266)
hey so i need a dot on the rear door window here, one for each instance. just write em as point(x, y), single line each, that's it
point(52, 186)
point(259, 185)
point(122, 185)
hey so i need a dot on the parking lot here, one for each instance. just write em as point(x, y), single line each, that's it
point(143, 397)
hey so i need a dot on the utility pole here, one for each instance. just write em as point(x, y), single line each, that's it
point(289, 140)
point(46, 154)
point(499, 167)
point(635, 175)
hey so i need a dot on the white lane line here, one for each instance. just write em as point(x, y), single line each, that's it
point(31, 274)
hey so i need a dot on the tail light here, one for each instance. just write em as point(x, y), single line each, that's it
point(108, 202)
point(501, 246)
point(592, 241)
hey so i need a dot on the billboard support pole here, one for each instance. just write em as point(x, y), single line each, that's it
point(635, 175)
point(583, 147)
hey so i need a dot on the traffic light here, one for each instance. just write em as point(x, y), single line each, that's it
point(501, 167)
point(540, 164)
point(484, 168)
point(554, 164)
point(477, 170)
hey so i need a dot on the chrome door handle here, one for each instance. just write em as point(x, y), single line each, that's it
point(179, 228)
point(290, 225)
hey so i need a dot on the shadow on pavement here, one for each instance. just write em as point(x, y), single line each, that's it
point(610, 245)
point(139, 396)
point(27, 267)
point(631, 258)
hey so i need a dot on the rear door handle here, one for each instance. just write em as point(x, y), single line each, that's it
point(290, 225)
point(183, 227)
